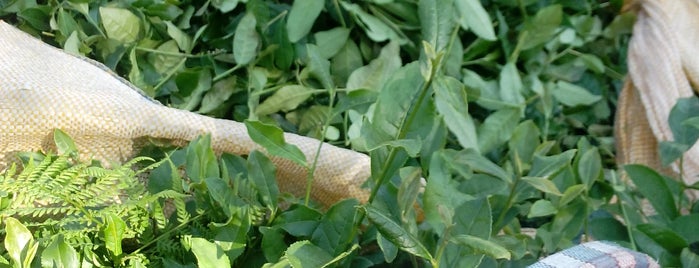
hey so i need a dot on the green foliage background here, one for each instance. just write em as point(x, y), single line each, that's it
point(505, 108)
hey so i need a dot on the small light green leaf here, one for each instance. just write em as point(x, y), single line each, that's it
point(390, 251)
point(542, 27)
point(480, 245)
point(59, 254)
point(64, 143)
point(590, 167)
point(331, 41)
point(304, 254)
point(570, 194)
point(374, 75)
point(272, 138)
point(497, 129)
point(224, 6)
point(511, 85)
point(524, 141)
point(546, 166)
point(335, 228)
point(285, 99)
point(376, 29)
point(184, 42)
point(19, 243)
point(653, 187)
point(261, 171)
point(301, 18)
point(472, 15)
point(593, 63)
point(436, 21)
point(345, 62)
point(452, 104)
point(209, 255)
point(543, 184)
point(246, 40)
point(120, 24)
point(319, 67)
point(573, 95)
point(165, 63)
point(541, 208)
point(113, 232)
point(689, 258)
point(220, 92)
point(396, 234)
point(664, 236)
point(681, 120)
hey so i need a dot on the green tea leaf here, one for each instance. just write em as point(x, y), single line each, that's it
point(689, 258)
point(452, 103)
point(301, 18)
point(472, 15)
point(183, 40)
point(684, 109)
point(573, 95)
point(590, 167)
point(547, 166)
point(64, 143)
point(120, 24)
point(319, 67)
point(525, 139)
point(511, 85)
point(331, 41)
point(497, 129)
point(59, 254)
point(396, 234)
point(543, 184)
point(272, 138)
point(304, 254)
point(113, 232)
point(542, 208)
point(570, 194)
point(437, 22)
point(480, 245)
point(19, 243)
point(208, 254)
point(261, 171)
point(345, 62)
point(664, 236)
point(285, 99)
point(335, 228)
point(375, 75)
point(653, 187)
point(376, 29)
point(246, 40)
point(542, 27)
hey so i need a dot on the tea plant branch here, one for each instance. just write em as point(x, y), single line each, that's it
point(326, 124)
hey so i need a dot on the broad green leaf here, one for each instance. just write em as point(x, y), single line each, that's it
point(473, 16)
point(261, 171)
point(319, 67)
point(113, 232)
point(221, 193)
point(408, 190)
point(165, 62)
point(480, 245)
point(19, 243)
point(208, 254)
point(343, 64)
point(331, 41)
point(66, 23)
point(608, 228)
point(201, 160)
point(304, 254)
point(524, 141)
point(192, 85)
point(335, 228)
point(547, 166)
point(684, 109)
point(570, 194)
point(273, 244)
point(224, 6)
point(220, 92)
point(593, 63)
point(685, 226)
point(396, 234)
point(272, 138)
point(390, 251)
point(541, 208)
point(285, 99)
point(543, 184)
point(374, 75)
point(441, 190)
point(376, 29)
point(436, 22)
point(301, 18)
point(573, 95)
point(246, 40)
point(120, 24)
point(590, 167)
point(64, 143)
point(497, 129)
point(183, 40)
point(664, 236)
point(689, 258)
point(477, 162)
point(653, 187)
point(511, 85)
point(542, 27)
point(59, 254)
point(452, 103)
